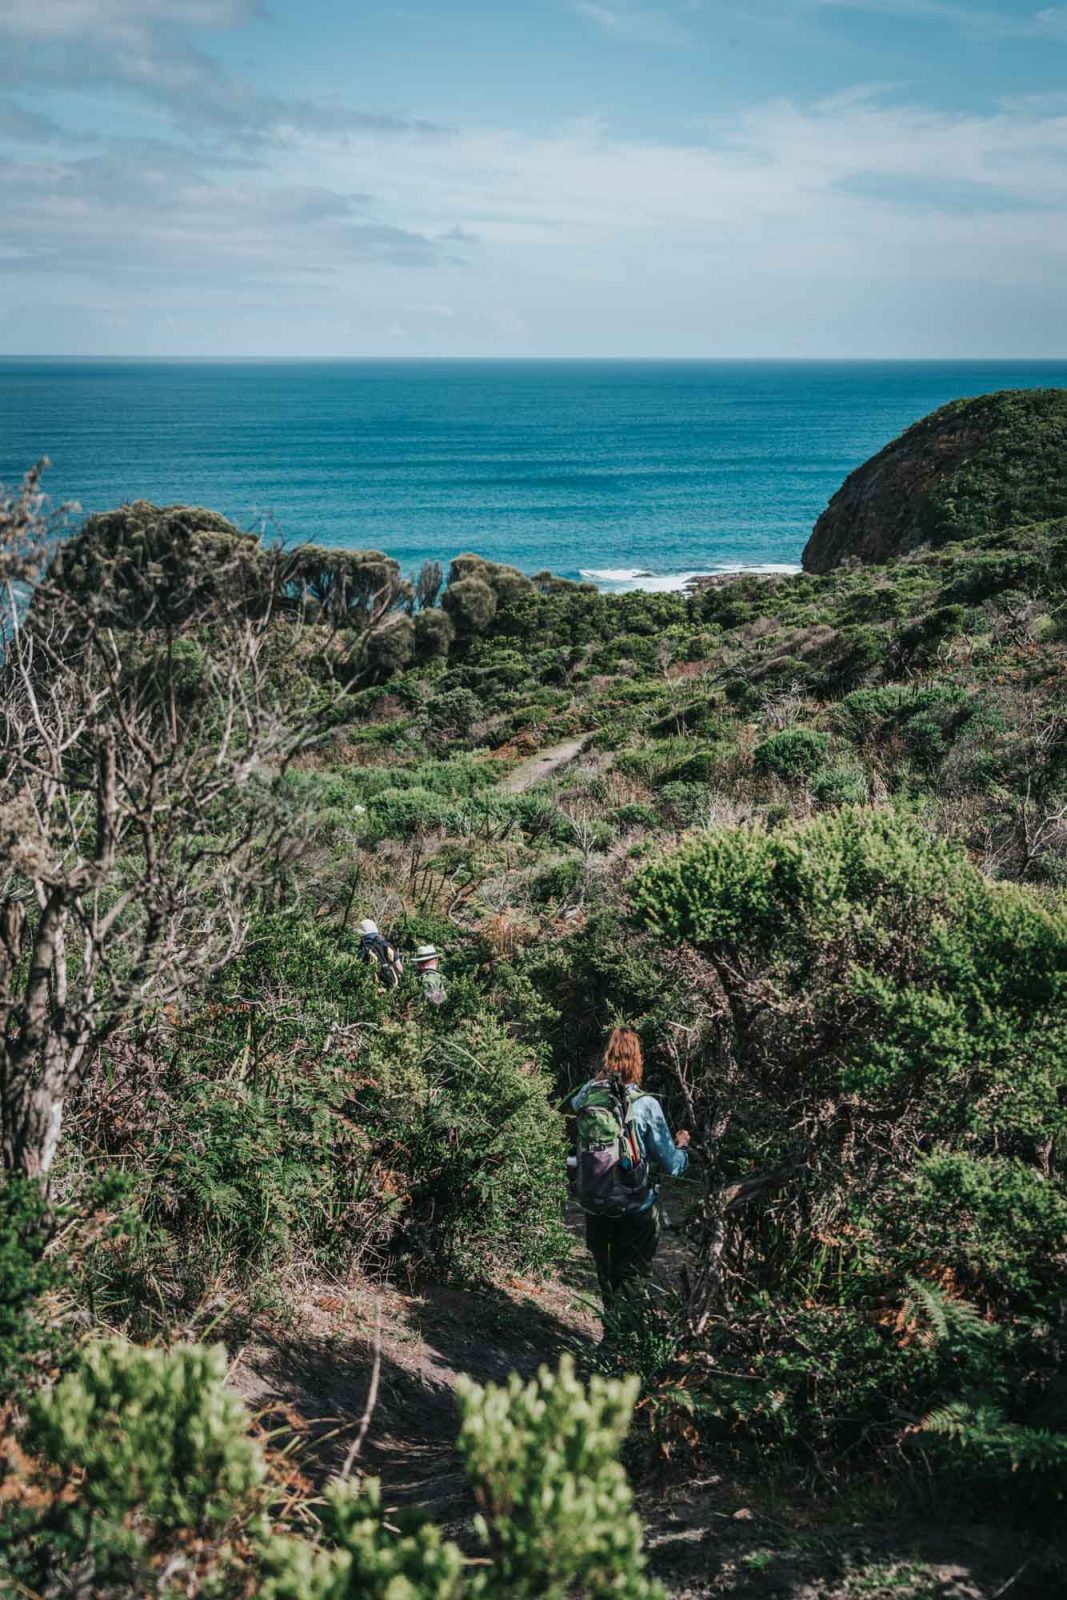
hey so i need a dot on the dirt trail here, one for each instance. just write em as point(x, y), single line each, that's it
point(542, 765)
point(711, 1535)
point(429, 1339)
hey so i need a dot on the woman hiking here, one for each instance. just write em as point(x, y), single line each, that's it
point(624, 1143)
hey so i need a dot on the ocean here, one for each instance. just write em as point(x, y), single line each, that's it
point(634, 474)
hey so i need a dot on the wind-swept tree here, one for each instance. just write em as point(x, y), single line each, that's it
point(142, 805)
point(353, 588)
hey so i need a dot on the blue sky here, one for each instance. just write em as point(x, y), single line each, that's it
point(560, 177)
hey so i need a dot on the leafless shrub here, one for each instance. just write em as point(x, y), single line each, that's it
point(142, 807)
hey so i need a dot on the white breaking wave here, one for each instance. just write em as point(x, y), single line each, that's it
point(615, 574)
point(622, 580)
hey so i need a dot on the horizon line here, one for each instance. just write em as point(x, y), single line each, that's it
point(338, 360)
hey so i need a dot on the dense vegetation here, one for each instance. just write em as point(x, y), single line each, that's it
point(815, 849)
point(976, 466)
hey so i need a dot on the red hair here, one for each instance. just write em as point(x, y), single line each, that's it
point(623, 1057)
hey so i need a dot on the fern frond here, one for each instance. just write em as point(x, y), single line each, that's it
point(944, 1316)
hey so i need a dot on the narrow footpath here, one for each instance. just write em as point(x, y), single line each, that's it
point(542, 765)
point(711, 1533)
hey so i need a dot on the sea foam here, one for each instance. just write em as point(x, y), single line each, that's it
point(624, 580)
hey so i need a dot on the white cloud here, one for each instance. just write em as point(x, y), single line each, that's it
point(142, 47)
point(990, 22)
point(75, 19)
point(130, 215)
point(641, 23)
point(855, 223)
point(1051, 23)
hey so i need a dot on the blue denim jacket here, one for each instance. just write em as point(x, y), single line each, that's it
point(658, 1147)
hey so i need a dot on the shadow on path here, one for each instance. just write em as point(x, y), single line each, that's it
point(711, 1535)
point(428, 1341)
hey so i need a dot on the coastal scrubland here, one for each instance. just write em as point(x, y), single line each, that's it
point(811, 840)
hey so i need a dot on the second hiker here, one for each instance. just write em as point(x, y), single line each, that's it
point(375, 949)
point(428, 967)
point(624, 1144)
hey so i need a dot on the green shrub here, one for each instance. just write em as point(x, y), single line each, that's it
point(556, 882)
point(451, 716)
point(364, 1552)
point(995, 1223)
point(146, 1479)
point(866, 711)
point(466, 1117)
point(921, 639)
point(925, 737)
point(841, 784)
point(389, 649)
point(471, 606)
point(402, 813)
point(792, 754)
point(25, 1275)
point(685, 802)
point(635, 815)
point(540, 817)
point(250, 1176)
point(556, 1514)
point(703, 765)
point(264, 1142)
point(898, 1030)
point(152, 1452)
point(855, 654)
point(434, 634)
point(979, 1443)
point(556, 1511)
point(591, 833)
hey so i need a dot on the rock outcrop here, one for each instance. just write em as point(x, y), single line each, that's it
point(974, 467)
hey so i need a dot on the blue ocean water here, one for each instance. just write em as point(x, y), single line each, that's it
point(639, 473)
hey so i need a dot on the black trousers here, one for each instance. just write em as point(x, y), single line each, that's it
point(623, 1247)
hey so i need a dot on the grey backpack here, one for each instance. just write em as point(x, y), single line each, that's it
point(612, 1176)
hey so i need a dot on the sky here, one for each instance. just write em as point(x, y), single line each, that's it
point(632, 178)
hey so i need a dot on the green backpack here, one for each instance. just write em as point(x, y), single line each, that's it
point(612, 1176)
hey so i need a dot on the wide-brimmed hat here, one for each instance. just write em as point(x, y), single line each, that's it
point(426, 952)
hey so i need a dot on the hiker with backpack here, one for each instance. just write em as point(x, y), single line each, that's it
point(624, 1144)
point(376, 950)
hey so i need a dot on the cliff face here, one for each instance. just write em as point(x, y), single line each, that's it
point(976, 466)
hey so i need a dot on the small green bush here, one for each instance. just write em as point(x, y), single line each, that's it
point(364, 1552)
point(402, 813)
point(451, 717)
point(556, 882)
point(465, 1116)
point(556, 1515)
point(635, 815)
point(556, 1512)
point(390, 648)
point(840, 784)
point(684, 802)
point(793, 754)
point(866, 711)
point(150, 1469)
point(154, 1448)
point(471, 606)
